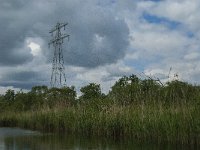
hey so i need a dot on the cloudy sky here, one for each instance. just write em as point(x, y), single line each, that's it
point(108, 39)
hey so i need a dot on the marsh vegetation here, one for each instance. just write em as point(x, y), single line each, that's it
point(133, 108)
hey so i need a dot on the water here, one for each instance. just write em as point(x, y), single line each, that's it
point(19, 139)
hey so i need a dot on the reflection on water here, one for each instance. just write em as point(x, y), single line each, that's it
point(18, 139)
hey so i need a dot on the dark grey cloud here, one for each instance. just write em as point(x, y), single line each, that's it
point(97, 36)
point(22, 79)
point(13, 30)
point(12, 49)
point(21, 76)
point(101, 42)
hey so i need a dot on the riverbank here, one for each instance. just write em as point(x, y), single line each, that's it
point(161, 124)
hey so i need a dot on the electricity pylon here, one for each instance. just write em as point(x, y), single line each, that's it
point(58, 78)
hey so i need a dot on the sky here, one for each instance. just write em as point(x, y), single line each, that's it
point(108, 39)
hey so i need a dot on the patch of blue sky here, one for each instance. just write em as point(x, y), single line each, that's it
point(106, 3)
point(138, 65)
point(190, 34)
point(113, 1)
point(141, 64)
point(156, 0)
point(161, 20)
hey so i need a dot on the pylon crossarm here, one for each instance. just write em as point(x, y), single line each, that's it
point(58, 26)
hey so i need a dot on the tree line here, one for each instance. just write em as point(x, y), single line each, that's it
point(128, 90)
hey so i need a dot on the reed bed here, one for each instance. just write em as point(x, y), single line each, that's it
point(147, 122)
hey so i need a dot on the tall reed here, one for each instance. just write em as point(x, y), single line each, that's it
point(161, 124)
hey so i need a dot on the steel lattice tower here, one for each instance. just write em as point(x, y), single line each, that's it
point(58, 78)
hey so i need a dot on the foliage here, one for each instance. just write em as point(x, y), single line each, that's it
point(65, 96)
point(133, 107)
point(10, 95)
point(91, 91)
point(38, 97)
point(126, 91)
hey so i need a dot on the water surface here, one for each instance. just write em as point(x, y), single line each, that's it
point(19, 139)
